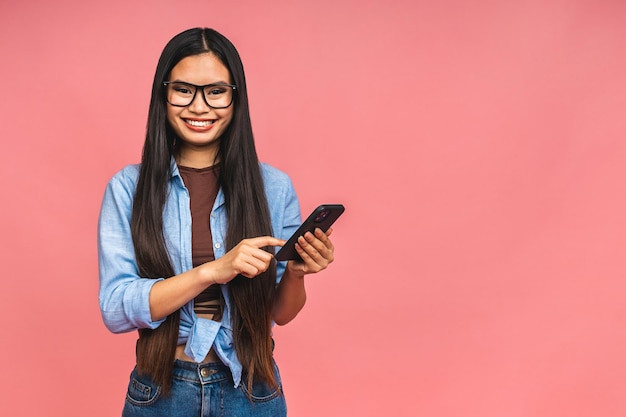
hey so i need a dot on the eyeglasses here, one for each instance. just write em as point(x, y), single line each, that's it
point(216, 96)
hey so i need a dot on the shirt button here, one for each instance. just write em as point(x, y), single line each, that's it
point(218, 245)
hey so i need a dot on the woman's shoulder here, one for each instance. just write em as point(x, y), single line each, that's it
point(125, 178)
point(129, 172)
point(274, 177)
point(272, 172)
point(279, 189)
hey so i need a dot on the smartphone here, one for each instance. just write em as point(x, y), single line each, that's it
point(323, 217)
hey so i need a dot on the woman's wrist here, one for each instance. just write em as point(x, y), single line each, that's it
point(290, 274)
point(207, 274)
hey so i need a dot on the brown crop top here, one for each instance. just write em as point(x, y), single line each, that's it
point(203, 185)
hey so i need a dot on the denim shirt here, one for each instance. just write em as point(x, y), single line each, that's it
point(124, 294)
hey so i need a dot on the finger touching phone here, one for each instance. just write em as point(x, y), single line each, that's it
point(322, 217)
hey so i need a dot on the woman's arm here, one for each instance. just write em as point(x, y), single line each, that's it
point(317, 252)
point(247, 259)
point(129, 301)
point(290, 298)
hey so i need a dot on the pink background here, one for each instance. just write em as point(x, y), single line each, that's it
point(477, 146)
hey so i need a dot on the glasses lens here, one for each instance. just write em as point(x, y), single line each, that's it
point(218, 96)
point(182, 94)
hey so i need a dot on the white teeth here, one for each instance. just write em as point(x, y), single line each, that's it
point(197, 123)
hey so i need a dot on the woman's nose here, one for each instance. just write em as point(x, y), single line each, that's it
point(199, 104)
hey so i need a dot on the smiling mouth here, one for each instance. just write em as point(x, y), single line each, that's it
point(199, 123)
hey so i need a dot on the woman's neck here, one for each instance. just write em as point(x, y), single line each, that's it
point(195, 158)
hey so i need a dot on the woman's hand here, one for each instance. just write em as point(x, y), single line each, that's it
point(247, 258)
point(316, 250)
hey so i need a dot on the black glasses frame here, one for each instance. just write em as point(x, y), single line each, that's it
point(201, 87)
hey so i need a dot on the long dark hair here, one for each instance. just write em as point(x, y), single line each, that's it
point(246, 207)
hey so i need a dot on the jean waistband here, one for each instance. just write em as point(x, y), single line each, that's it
point(204, 373)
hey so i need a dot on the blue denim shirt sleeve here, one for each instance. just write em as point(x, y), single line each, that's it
point(123, 294)
point(284, 207)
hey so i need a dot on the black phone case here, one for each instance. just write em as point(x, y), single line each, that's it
point(323, 217)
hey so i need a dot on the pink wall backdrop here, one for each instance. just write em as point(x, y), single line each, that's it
point(479, 148)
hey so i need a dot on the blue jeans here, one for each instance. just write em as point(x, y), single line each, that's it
point(205, 390)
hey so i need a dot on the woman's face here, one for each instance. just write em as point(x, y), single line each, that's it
point(197, 126)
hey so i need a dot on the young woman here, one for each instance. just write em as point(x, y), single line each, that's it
point(186, 242)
